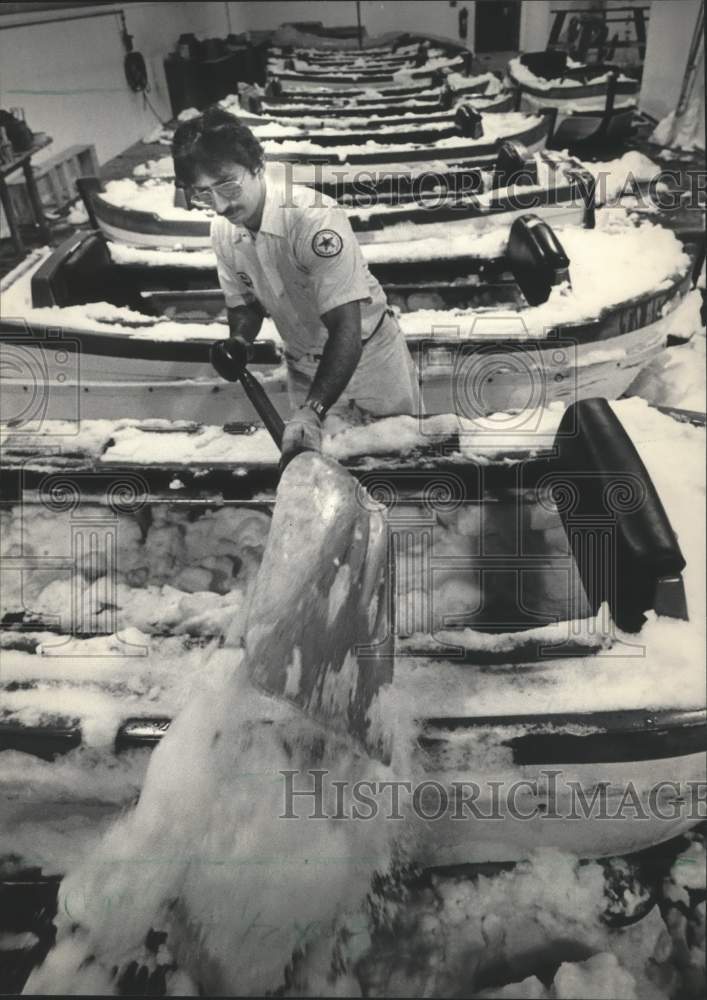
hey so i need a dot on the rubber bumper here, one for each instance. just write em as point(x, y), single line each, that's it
point(619, 531)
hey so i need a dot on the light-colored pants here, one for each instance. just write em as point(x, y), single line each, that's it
point(385, 383)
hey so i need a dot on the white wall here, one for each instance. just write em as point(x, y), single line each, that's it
point(434, 17)
point(272, 13)
point(670, 31)
point(69, 77)
point(431, 18)
point(535, 24)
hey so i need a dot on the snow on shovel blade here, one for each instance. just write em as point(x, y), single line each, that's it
point(318, 632)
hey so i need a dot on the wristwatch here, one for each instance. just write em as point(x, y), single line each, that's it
point(318, 407)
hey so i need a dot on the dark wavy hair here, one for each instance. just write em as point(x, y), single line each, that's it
point(210, 142)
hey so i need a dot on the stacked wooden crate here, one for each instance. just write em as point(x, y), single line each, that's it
point(56, 180)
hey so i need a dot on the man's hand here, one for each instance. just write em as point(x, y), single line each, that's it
point(229, 357)
point(303, 432)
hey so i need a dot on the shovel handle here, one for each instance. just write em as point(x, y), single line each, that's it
point(266, 411)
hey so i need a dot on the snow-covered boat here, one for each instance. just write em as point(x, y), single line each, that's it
point(412, 57)
point(460, 147)
point(425, 90)
point(464, 119)
point(102, 329)
point(361, 121)
point(541, 584)
point(592, 104)
point(380, 100)
point(353, 115)
point(464, 197)
point(344, 79)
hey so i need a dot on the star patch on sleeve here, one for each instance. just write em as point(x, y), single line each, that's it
point(327, 243)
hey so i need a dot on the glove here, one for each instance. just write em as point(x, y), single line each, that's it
point(229, 357)
point(303, 432)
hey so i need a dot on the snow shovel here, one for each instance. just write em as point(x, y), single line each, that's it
point(319, 627)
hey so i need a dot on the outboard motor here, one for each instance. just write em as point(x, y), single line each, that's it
point(421, 55)
point(536, 258)
point(250, 98)
point(468, 120)
point(549, 64)
point(511, 163)
point(446, 98)
point(273, 90)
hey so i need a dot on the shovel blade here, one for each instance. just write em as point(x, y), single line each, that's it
point(319, 627)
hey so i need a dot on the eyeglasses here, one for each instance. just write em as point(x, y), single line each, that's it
point(226, 191)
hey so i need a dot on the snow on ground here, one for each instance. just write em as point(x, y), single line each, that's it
point(676, 377)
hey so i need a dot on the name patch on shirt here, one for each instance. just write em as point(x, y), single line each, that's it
point(326, 243)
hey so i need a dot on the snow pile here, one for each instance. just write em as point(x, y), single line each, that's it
point(457, 81)
point(216, 863)
point(158, 134)
point(98, 683)
point(617, 177)
point(78, 214)
point(187, 114)
point(86, 782)
point(208, 445)
point(151, 196)
point(121, 253)
point(170, 572)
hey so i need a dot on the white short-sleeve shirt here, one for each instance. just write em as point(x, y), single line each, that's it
point(303, 261)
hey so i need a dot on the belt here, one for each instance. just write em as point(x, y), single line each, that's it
point(318, 357)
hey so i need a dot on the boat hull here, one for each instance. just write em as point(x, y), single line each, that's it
point(583, 120)
point(453, 379)
point(562, 206)
point(552, 816)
